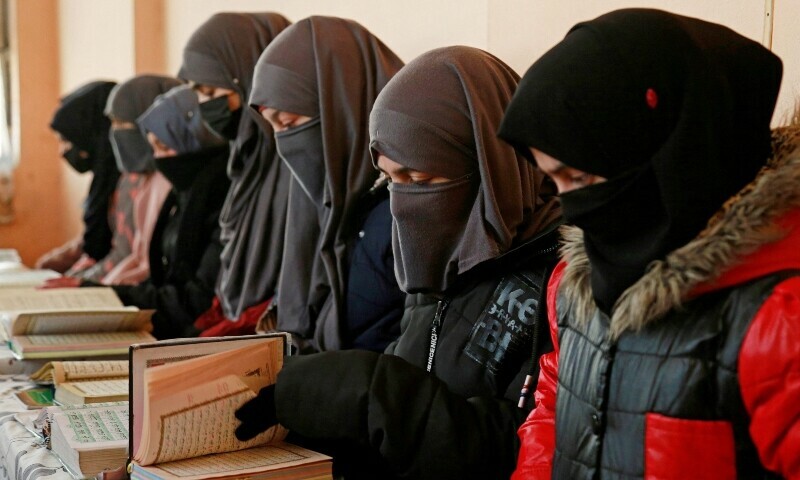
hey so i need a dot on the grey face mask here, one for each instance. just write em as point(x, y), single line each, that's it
point(131, 151)
point(427, 232)
point(302, 151)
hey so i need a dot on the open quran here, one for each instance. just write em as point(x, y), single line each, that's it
point(90, 381)
point(70, 323)
point(184, 420)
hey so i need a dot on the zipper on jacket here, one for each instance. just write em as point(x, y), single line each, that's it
point(435, 327)
point(539, 317)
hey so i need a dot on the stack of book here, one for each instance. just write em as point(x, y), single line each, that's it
point(88, 439)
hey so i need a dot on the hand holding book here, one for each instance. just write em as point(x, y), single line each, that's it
point(257, 415)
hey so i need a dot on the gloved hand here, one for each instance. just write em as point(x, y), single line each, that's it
point(257, 415)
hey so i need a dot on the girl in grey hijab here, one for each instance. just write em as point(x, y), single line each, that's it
point(127, 101)
point(443, 402)
point(218, 60)
point(315, 84)
point(186, 244)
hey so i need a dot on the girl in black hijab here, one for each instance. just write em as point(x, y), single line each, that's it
point(315, 84)
point(676, 307)
point(218, 60)
point(186, 246)
point(83, 133)
point(443, 401)
point(140, 190)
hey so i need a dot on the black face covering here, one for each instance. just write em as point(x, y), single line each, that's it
point(79, 163)
point(220, 118)
point(181, 170)
point(604, 212)
point(691, 114)
point(131, 150)
point(301, 150)
point(429, 223)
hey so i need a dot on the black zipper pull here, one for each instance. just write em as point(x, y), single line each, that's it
point(435, 326)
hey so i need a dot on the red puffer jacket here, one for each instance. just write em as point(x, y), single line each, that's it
point(768, 361)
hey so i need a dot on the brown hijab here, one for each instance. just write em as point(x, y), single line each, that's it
point(223, 52)
point(330, 69)
point(439, 115)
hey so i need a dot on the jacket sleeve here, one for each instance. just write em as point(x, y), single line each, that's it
point(769, 378)
point(178, 302)
point(538, 434)
point(420, 428)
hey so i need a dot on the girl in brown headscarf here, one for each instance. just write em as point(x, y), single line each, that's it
point(218, 60)
point(475, 230)
point(315, 84)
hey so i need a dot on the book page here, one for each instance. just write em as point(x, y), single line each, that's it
point(126, 319)
point(80, 341)
point(25, 278)
point(202, 414)
point(242, 462)
point(90, 369)
point(94, 428)
point(56, 299)
point(157, 354)
point(100, 388)
point(210, 420)
point(9, 256)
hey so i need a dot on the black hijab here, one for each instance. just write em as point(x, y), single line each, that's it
point(330, 69)
point(439, 115)
point(223, 52)
point(126, 102)
point(673, 111)
point(80, 120)
point(175, 119)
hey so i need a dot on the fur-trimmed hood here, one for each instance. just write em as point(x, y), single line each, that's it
point(747, 222)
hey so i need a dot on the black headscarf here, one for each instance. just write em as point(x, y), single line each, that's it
point(673, 111)
point(330, 69)
point(80, 120)
point(126, 102)
point(439, 115)
point(223, 52)
point(175, 119)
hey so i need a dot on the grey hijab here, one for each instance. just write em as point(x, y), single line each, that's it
point(126, 102)
point(331, 69)
point(439, 115)
point(223, 52)
point(176, 120)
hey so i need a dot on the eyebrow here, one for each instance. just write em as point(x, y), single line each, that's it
point(272, 114)
point(399, 171)
point(560, 168)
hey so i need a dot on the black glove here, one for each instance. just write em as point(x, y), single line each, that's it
point(257, 415)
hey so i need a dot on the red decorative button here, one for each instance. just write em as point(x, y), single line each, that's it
point(652, 98)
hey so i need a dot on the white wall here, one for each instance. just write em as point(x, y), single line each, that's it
point(408, 27)
point(522, 30)
point(786, 44)
point(517, 31)
point(95, 41)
